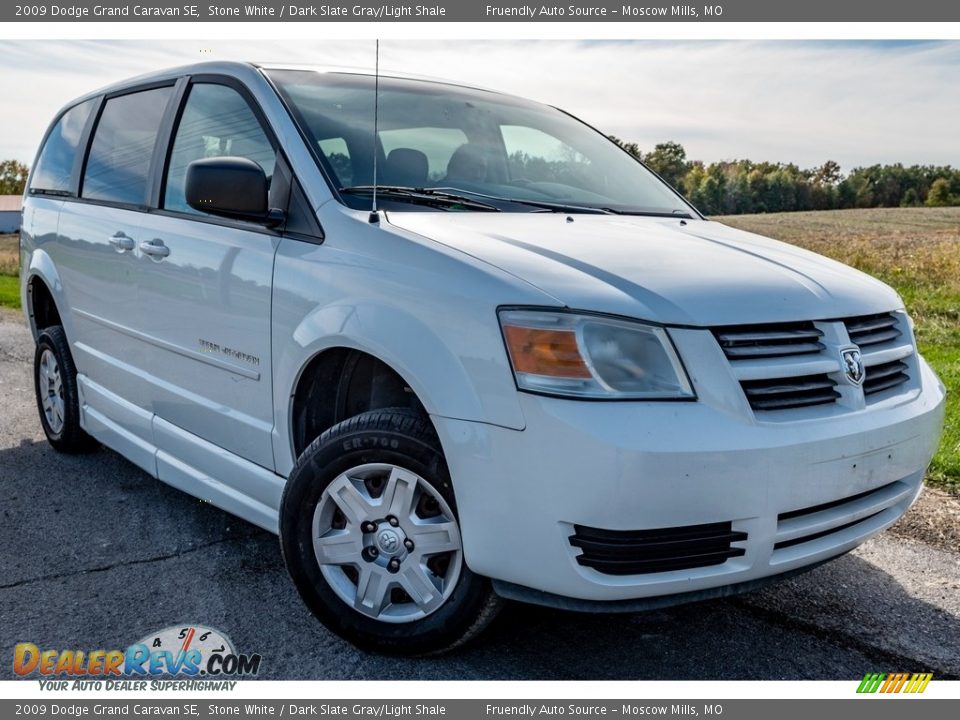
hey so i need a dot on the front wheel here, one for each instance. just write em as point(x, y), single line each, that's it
point(370, 536)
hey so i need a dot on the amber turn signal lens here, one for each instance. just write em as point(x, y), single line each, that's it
point(545, 352)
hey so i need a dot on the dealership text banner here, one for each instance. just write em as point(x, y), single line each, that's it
point(406, 709)
point(482, 11)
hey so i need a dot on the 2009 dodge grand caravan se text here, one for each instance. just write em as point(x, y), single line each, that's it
point(535, 372)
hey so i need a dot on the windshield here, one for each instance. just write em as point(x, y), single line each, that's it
point(489, 146)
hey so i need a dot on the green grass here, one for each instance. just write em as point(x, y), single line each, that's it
point(9, 267)
point(915, 250)
point(10, 291)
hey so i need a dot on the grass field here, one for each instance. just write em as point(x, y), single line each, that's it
point(9, 266)
point(916, 250)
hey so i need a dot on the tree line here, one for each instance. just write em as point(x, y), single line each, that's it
point(732, 187)
point(13, 177)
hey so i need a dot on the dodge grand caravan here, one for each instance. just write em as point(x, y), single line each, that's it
point(460, 349)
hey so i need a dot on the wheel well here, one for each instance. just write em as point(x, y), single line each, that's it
point(43, 309)
point(340, 383)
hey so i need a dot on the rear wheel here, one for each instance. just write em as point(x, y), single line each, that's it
point(370, 536)
point(55, 384)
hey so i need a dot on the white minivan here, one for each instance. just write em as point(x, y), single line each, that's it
point(458, 349)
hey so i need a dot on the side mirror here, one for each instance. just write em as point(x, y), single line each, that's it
point(231, 187)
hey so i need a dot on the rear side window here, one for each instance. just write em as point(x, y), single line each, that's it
point(54, 167)
point(216, 122)
point(119, 160)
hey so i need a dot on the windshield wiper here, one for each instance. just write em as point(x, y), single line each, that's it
point(453, 197)
point(568, 208)
point(652, 213)
point(542, 204)
point(422, 196)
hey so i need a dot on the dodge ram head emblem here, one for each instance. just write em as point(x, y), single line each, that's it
point(388, 541)
point(853, 364)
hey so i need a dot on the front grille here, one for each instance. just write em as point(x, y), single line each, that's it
point(792, 392)
point(792, 365)
point(639, 552)
point(742, 342)
point(872, 329)
point(884, 377)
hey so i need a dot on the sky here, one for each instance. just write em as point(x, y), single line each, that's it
point(805, 102)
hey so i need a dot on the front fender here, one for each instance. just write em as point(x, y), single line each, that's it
point(448, 384)
point(413, 350)
point(428, 315)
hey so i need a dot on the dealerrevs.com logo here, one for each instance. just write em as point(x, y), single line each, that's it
point(197, 657)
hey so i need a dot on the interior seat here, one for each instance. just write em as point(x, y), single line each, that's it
point(406, 167)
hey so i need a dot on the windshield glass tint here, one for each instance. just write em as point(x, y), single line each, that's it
point(434, 135)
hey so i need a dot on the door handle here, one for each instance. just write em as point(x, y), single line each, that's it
point(154, 248)
point(121, 242)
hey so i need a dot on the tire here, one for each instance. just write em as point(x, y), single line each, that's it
point(332, 495)
point(58, 401)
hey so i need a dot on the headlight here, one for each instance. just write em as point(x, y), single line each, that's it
point(591, 356)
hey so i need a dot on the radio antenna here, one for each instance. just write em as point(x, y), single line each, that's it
point(374, 215)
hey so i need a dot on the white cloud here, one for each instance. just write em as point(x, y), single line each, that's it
point(804, 102)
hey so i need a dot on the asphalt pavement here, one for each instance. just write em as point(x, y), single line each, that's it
point(96, 554)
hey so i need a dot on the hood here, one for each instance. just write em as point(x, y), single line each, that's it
point(693, 273)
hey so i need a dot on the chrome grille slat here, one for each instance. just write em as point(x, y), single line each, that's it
point(788, 403)
point(875, 338)
point(884, 385)
point(885, 377)
point(783, 387)
point(767, 337)
point(879, 356)
point(786, 393)
point(870, 323)
point(767, 341)
point(872, 329)
point(764, 351)
point(887, 369)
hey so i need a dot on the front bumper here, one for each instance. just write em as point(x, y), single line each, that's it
point(642, 465)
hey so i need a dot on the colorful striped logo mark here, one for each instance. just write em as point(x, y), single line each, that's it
point(894, 682)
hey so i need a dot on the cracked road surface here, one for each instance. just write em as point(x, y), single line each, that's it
point(96, 554)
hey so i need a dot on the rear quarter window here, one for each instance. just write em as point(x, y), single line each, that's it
point(119, 160)
point(54, 167)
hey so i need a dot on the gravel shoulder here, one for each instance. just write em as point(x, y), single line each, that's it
point(934, 519)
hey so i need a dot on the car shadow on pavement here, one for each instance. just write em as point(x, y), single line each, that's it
point(95, 554)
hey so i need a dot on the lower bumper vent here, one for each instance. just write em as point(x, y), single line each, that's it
point(638, 552)
point(864, 510)
point(823, 533)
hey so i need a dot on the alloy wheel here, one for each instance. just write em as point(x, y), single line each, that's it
point(51, 391)
point(387, 543)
